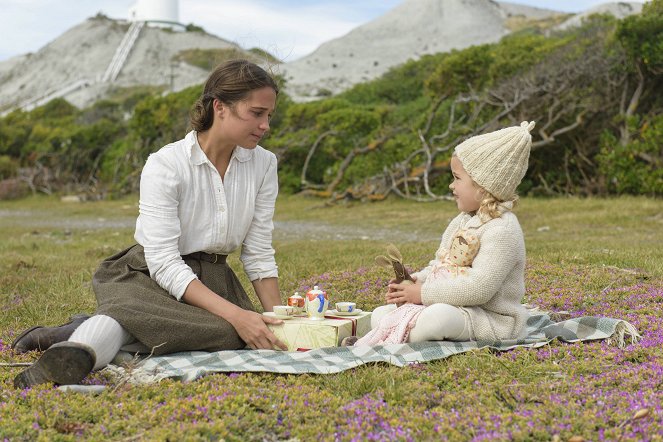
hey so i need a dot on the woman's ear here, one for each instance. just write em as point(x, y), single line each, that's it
point(219, 107)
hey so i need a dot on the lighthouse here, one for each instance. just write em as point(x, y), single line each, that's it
point(163, 13)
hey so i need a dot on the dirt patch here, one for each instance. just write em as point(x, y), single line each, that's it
point(297, 230)
point(283, 230)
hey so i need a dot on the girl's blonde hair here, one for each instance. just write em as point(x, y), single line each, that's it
point(491, 207)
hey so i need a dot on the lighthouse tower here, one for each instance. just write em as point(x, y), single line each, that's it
point(156, 12)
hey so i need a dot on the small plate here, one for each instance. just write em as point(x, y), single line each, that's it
point(274, 315)
point(352, 313)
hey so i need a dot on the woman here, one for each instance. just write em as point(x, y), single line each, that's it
point(200, 199)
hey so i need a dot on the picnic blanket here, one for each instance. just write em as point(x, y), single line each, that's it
point(188, 366)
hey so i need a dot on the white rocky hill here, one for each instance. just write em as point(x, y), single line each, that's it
point(74, 64)
point(410, 30)
point(617, 9)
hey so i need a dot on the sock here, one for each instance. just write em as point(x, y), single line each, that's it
point(104, 335)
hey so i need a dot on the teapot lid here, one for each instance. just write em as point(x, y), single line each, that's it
point(316, 290)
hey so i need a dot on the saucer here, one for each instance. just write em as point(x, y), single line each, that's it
point(355, 312)
point(274, 315)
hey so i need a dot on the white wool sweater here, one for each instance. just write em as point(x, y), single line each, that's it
point(491, 293)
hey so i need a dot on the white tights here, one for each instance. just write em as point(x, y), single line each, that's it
point(437, 322)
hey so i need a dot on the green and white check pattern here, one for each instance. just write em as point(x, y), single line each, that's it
point(541, 329)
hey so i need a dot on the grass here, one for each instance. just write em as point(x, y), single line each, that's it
point(600, 257)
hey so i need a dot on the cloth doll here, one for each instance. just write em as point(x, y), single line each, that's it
point(458, 259)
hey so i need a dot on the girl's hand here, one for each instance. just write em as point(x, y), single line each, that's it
point(252, 328)
point(394, 281)
point(403, 293)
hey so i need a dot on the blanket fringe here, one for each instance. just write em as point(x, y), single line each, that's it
point(557, 316)
point(623, 329)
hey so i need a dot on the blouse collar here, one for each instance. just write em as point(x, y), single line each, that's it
point(198, 157)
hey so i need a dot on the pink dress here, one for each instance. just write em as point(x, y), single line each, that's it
point(394, 327)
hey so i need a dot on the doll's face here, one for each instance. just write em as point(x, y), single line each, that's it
point(463, 250)
point(466, 192)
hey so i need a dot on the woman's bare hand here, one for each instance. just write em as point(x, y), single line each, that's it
point(252, 328)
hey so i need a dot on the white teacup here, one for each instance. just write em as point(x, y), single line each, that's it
point(346, 307)
point(284, 310)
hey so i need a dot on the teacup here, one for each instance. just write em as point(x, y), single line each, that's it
point(346, 307)
point(284, 310)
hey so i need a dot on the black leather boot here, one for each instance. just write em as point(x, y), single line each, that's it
point(64, 363)
point(41, 338)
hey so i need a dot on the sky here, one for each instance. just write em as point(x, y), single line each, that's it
point(289, 29)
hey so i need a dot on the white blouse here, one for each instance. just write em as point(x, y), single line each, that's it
point(186, 207)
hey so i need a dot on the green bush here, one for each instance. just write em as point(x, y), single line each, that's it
point(641, 36)
point(8, 167)
point(637, 167)
point(109, 142)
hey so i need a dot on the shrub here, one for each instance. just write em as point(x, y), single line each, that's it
point(637, 167)
point(8, 167)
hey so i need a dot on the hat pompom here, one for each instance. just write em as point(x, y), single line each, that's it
point(527, 125)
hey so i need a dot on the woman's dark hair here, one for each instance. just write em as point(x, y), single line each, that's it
point(231, 82)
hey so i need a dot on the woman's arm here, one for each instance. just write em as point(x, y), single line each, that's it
point(257, 255)
point(158, 228)
point(267, 290)
point(251, 326)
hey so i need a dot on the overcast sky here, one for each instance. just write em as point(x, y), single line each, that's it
point(288, 29)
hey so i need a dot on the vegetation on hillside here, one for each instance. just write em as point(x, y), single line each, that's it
point(208, 59)
point(596, 93)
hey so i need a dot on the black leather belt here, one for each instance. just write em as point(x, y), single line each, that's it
point(207, 257)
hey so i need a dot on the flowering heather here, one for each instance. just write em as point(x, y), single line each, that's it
point(590, 390)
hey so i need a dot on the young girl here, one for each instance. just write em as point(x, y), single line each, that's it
point(480, 300)
point(201, 198)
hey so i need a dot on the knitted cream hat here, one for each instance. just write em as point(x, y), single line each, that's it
point(497, 161)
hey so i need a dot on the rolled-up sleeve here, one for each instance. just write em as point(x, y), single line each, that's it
point(257, 252)
point(158, 227)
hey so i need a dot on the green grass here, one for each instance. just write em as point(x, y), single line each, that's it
point(587, 256)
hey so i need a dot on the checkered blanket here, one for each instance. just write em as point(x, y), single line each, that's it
point(541, 329)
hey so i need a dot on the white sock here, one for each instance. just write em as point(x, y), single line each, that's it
point(105, 335)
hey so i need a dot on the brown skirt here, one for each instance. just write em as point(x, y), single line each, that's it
point(126, 292)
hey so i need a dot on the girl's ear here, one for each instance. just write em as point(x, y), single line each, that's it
point(479, 195)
